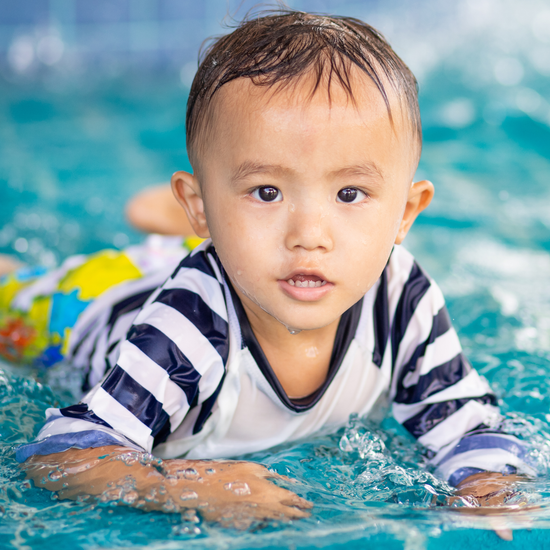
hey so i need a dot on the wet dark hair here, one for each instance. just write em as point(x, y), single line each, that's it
point(277, 48)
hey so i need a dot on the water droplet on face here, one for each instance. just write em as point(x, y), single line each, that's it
point(188, 495)
point(238, 487)
point(210, 471)
point(294, 331)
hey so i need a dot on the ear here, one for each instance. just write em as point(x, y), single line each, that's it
point(187, 191)
point(420, 196)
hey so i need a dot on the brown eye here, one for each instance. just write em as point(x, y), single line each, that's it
point(347, 195)
point(267, 194)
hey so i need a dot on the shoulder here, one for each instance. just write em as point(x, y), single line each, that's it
point(407, 284)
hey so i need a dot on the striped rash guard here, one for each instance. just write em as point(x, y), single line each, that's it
point(189, 379)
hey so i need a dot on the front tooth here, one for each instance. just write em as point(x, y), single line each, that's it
point(299, 284)
point(311, 284)
point(291, 282)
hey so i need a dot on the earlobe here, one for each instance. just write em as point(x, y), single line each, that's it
point(420, 196)
point(187, 191)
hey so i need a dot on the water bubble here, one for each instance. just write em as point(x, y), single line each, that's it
point(294, 331)
point(188, 473)
point(56, 475)
point(190, 515)
point(130, 497)
point(188, 495)
point(210, 471)
point(238, 487)
point(169, 506)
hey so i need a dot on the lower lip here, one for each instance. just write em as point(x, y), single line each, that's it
point(305, 294)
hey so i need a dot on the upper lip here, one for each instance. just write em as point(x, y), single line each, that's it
point(306, 272)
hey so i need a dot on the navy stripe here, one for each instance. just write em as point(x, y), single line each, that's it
point(438, 379)
point(136, 399)
point(483, 441)
point(432, 415)
point(206, 408)
point(199, 261)
point(413, 291)
point(381, 320)
point(441, 323)
point(461, 474)
point(131, 303)
point(82, 412)
point(207, 321)
point(165, 353)
point(62, 442)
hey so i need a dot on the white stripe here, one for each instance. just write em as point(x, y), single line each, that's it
point(469, 416)
point(420, 325)
point(492, 460)
point(206, 287)
point(190, 340)
point(472, 385)
point(153, 378)
point(442, 350)
point(106, 407)
point(102, 306)
point(365, 328)
point(59, 425)
point(215, 268)
point(122, 326)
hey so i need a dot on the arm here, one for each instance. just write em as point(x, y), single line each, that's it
point(216, 488)
point(445, 403)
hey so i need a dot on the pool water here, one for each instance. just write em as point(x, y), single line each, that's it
point(70, 157)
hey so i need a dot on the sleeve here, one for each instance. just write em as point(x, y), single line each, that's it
point(173, 359)
point(438, 397)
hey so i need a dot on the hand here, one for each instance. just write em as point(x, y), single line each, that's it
point(491, 491)
point(232, 492)
point(489, 488)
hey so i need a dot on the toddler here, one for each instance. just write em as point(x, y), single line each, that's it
point(300, 307)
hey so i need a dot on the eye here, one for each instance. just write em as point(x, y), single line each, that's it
point(350, 195)
point(267, 194)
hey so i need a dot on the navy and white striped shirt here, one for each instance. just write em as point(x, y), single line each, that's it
point(190, 379)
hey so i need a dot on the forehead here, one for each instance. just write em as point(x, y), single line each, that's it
point(244, 111)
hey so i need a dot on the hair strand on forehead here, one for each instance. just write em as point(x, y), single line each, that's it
point(279, 48)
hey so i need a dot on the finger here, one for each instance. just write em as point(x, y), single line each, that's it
point(297, 501)
point(498, 525)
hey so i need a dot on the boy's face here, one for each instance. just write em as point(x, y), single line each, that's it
point(303, 198)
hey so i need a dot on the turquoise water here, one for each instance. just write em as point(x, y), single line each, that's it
point(72, 154)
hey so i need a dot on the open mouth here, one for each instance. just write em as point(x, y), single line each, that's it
point(306, 281)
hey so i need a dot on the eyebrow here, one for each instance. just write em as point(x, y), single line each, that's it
point(369, 170)
point(249, 168)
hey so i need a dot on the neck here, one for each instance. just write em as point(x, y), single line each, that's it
point(300, 361)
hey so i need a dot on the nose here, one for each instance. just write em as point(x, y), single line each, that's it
point(309, 228)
